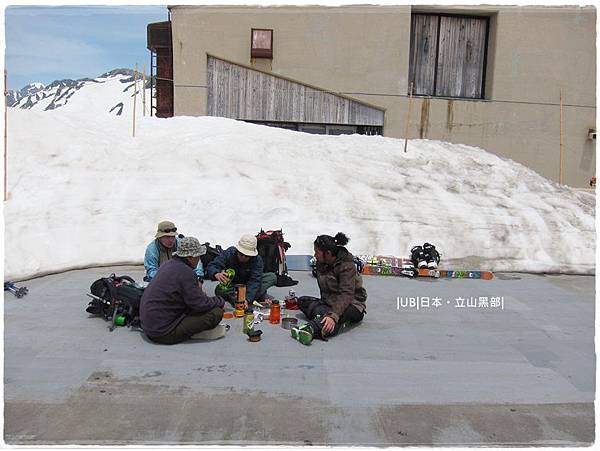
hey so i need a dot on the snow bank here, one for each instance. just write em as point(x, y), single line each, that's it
point(83, 192)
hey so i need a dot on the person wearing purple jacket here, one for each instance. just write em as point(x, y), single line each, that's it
point(173, 307)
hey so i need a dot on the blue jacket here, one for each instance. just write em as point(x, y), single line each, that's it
point(173, 294)
point(152, 259)
point(249, 273)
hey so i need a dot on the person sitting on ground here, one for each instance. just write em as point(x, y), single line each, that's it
point(174, 308)
point(161, 250)
point(248, 267)
point(343, 298)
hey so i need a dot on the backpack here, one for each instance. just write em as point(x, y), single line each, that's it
point(211, 254)
point(272, 248)
point(117, 299)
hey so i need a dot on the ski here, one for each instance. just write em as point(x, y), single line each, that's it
point(425, 272)
point(385, 260)
point(17, 291)
point(373, 270)
point(385, 265)
point(485, 275)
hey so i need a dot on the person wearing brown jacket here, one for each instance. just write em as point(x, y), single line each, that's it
point(343, 297)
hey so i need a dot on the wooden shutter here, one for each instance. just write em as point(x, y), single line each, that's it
point(423, 50)
point(461, 57)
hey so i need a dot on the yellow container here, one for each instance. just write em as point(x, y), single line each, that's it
point(239, 310)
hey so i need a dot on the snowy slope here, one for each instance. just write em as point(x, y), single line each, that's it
point(83, 191)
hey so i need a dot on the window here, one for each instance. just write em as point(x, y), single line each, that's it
point(325, 129)
point(448, 55)
point(262, 43)
point(341, 129)
point(315, 129)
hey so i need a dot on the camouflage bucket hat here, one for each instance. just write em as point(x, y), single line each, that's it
point(189, 247)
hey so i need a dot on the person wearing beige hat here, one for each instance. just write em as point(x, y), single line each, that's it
point(248, 266)
point(161, 250)
point(174, 308)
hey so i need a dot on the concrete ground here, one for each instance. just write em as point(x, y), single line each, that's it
point(523, 374)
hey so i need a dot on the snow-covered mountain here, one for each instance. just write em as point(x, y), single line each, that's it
point(31, 90)
point(115, 88)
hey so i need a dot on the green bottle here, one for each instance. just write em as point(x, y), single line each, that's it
point(248, 317)
point(230, 273)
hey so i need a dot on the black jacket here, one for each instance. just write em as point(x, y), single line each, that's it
point(248, 273)
point(172, 294)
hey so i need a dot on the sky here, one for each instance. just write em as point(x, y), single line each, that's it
point(47, 43)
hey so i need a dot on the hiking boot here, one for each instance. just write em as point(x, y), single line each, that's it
point(431, 255)
point(303, 333)
point(418, 257)
point(212, 334)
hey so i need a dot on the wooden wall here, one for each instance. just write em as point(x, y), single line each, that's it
point(239, 92)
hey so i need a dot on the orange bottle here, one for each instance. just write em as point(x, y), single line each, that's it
point(275, 313)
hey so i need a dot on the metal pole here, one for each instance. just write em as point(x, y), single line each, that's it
point(134, 96)
point(408, 117)
point(560, 168)
point(152, 81)
point(5, 139)
point(144, 90)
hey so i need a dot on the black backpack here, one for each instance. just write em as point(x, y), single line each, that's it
point(211, 254)
point(272, 248)
point(114, 297)
point(268, 249)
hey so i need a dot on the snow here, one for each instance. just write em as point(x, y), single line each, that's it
point(84, 192)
